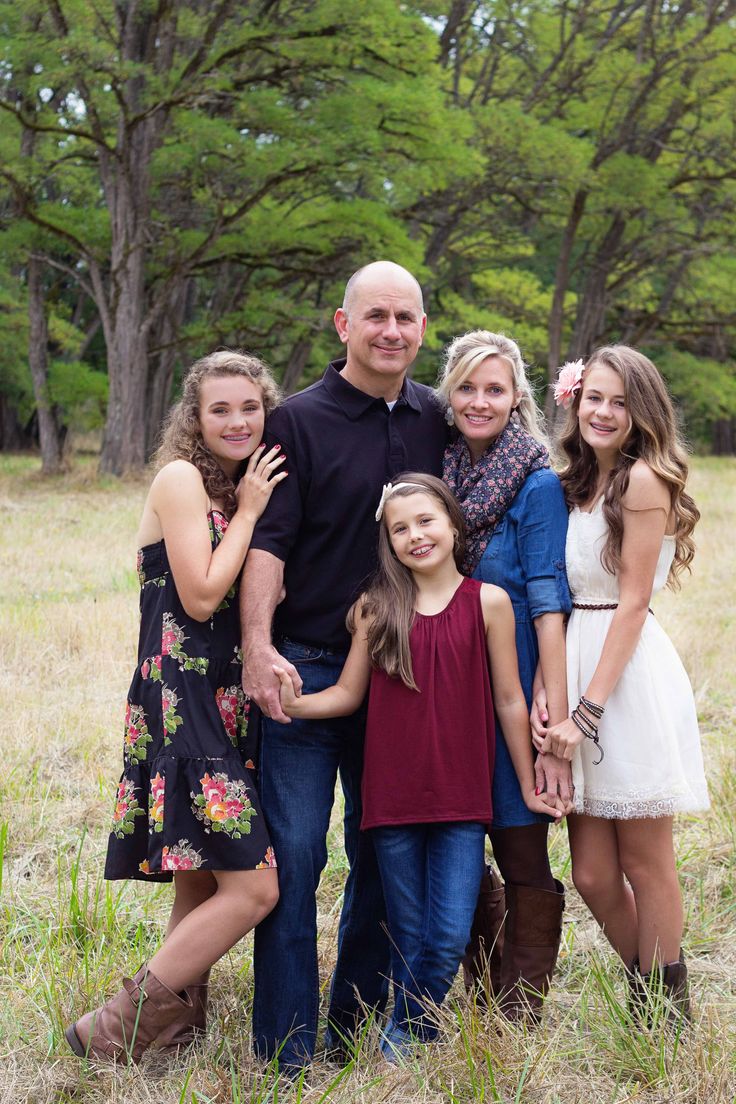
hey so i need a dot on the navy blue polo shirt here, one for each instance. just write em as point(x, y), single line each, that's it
point(341, 447)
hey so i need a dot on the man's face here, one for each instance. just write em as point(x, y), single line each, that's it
point(383, 329)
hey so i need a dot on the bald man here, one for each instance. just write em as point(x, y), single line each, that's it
point(344, 437)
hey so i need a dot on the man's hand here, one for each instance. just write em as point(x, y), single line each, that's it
point(263, 685)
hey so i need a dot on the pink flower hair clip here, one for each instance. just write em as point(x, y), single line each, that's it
point(569, 381)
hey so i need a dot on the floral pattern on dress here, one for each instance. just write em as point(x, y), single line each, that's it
point(269, 860)
point(151, 668)
point(172, 638)
point(157, 580)
point(218, 526)
point(234, 708)
point(137, 736)
point(127, 808)
point(225, 603)
point(223, 805)
point(171, 719)
point(182, 856)
point(156, 804)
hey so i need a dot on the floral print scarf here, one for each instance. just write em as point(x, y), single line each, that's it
point(485, 490)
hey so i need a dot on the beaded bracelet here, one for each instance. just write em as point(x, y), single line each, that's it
point(589, 730)
point(593, 709)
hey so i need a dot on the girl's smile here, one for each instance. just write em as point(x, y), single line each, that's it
point(231, 419)
point(420, 530)
point(604, 421)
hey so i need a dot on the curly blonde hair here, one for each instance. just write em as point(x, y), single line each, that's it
point(654, 437)
point(181, 436)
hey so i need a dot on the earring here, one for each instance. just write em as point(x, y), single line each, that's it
point(450, 416)
point(515, 416)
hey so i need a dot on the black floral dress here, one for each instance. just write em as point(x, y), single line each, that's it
point(186, 799)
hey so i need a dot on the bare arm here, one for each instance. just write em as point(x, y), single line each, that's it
point(553, 775)
point(646, 508)
point(260, 589)
point(508, 695)
point(339, 700)
point(179, 501)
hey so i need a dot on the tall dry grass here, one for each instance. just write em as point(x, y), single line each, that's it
point(68, 600)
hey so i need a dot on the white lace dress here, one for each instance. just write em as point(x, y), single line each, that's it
point(653, 764)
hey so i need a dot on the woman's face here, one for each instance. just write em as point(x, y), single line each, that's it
point(483, 402)
point(604, 420)
point(231, 418)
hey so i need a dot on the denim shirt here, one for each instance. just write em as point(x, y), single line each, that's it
point(526, 556)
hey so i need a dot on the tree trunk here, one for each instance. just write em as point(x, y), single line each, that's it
point(557, 310)
point(163, 363)
point(296, 364)
point(38, 336)
point(590, 323)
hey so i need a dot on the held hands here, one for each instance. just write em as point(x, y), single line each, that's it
point(542, 803)
point(562, 739)
point(263, 686)
point(255, 488)
point(289, 700)
point(554, 781)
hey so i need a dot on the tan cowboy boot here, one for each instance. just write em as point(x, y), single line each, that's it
point(126, 1026)
point(190, 1026)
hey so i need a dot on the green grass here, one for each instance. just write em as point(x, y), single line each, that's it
point(67, 649)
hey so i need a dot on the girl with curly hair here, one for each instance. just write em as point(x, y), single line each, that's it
point(186, 806)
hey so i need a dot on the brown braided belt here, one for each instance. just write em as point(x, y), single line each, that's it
point(600, 606)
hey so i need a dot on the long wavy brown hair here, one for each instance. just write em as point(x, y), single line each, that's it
point(181, 436)
point(390, 600)
point(654, 437)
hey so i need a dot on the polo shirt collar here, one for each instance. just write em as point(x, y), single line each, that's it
point(353, 402)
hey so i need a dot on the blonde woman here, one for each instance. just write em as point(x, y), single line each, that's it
point(498, 467)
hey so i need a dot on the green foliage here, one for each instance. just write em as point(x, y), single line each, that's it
point(79, 394)
point(704, 389)
point(512, 155)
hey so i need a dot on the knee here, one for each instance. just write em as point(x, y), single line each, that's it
point(593, 883)
point(264, 898)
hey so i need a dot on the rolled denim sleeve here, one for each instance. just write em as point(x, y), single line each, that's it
point(541, 539)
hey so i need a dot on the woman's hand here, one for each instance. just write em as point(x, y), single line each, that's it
point(536, 803)
point(255, 488)
point(539, 717)
point(554, 781)
point(562, 739)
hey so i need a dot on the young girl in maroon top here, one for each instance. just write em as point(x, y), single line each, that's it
point(424, 636)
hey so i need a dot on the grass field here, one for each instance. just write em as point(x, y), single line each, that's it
point(67, 650)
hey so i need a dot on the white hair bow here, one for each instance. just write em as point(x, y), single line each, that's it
point(388, 490)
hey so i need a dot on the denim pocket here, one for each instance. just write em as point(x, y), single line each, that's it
point(299, 653)
point(494, 544)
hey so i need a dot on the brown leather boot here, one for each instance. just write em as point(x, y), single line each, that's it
point(127, 1025)
point(482, 961)
point(190, 1026)
point(672, 977)
point(531, 941)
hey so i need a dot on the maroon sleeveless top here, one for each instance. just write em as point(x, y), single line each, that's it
point(429, 755)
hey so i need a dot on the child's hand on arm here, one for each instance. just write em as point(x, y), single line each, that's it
point(289, 700)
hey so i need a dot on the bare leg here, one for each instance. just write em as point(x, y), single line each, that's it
point(599, 879)
point(192, 888)
point(647, 855)
point(206, 932)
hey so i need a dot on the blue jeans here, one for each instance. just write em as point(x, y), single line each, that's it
point(298, 770)
point(431, 878)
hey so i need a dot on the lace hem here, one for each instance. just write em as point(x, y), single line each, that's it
point(630, 807)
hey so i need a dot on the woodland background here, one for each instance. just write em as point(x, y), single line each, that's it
point(176, 176)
